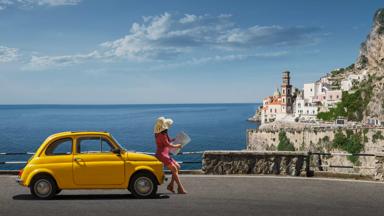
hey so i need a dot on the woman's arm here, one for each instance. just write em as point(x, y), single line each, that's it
point(167, 142)
point(175, 145)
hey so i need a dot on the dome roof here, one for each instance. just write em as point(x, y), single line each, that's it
point(277, 93)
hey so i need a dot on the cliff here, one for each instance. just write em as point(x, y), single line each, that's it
point(370, 62)
point(371, 59)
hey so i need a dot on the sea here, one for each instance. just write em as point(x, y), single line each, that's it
point(211, 126)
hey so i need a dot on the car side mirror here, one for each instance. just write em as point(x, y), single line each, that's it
point(116, 151)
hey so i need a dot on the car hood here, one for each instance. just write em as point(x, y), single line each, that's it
point(133, 156)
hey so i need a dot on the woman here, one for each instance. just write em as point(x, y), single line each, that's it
point(163, 143)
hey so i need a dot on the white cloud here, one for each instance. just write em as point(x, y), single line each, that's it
point(8, 54)
point(32, 3)
point(164, 36)
point(227, 58)
point(44, 62)
point(182, 39)
point(55, 2)
point(189, 18)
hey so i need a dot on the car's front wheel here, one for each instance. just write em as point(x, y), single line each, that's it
point(143, 185)
point(43, 187)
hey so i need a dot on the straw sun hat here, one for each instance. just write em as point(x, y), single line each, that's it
point(162, 124)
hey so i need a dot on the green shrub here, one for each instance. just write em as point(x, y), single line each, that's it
point(351, 142)
point(377, 136)
point(284, 142)
point(352, 105)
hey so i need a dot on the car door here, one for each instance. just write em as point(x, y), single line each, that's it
point(94, 163)
point(58, 158)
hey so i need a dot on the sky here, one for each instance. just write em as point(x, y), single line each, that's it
point(172, 51)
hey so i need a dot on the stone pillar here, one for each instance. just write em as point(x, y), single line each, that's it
point(379, 167)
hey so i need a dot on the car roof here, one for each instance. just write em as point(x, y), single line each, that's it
point(77, 133)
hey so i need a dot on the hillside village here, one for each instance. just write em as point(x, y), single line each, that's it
point(289, 104)
point(347, 96)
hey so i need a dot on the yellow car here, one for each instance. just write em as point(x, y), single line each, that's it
point(89, 160)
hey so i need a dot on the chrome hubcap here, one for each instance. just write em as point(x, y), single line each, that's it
point(43, 187)
point(143, 186)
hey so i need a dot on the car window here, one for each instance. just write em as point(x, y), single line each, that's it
point(93, 145)
point(60, 147)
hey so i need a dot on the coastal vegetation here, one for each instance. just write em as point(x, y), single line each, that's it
point(349, 142)
point(352, 105)
point(284, 143)
point(342, 70)
point(377, 136)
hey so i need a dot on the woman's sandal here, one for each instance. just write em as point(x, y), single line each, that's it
point(179, 191)
point(170, 188)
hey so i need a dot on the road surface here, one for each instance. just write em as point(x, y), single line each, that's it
point(208, 195)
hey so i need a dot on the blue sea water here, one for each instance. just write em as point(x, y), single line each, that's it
point(211, 126)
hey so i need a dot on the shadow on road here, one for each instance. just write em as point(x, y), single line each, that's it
point(87, 197)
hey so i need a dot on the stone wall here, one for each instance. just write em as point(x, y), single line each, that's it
point(319, 140)
point(254, 162)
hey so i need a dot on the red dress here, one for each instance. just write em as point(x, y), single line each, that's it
point(163, 143)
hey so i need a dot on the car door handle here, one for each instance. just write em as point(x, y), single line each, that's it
point(77, 159)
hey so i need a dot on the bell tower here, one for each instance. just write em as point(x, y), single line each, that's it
point(286, 93)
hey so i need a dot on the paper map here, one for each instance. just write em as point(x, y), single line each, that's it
point(181, 138)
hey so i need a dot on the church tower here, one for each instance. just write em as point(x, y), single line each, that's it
point(286, 93)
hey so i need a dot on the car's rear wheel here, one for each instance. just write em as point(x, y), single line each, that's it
point(143, 185)
point(43, 187)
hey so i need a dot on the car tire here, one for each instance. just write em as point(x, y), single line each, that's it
point(143, 185)
point(43, 187)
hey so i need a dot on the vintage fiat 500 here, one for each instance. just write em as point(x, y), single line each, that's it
point(89, 160)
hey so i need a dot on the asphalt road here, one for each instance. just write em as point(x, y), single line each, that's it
point(208, 195)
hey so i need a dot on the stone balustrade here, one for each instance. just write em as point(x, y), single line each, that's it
point(255, 162)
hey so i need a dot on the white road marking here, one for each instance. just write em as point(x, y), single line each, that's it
point(283, 177)
point(260, 176)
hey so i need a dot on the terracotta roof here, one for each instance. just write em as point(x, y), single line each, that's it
point(275, 103)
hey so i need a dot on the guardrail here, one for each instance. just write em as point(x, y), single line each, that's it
point(319, 165)
point(149, 153)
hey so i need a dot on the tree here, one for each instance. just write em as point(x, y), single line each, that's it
point(284, 143)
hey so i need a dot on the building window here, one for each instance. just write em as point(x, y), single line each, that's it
point(283, 91)
point(270, 110)
point(289, 100)
point(337, 96)
point(330, 97)
point(311, 90)
point(283, 100)
point(275, 110)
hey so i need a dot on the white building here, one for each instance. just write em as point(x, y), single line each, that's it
point(304, 109)
point(309, 91)
point(351, 80)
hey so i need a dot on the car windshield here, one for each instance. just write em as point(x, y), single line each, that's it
point(117, 142)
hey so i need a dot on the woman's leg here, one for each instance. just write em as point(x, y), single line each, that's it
point(177, 165)
point(170, 185)
point(175, 177)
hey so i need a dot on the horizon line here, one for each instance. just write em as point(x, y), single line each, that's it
point(122, 104)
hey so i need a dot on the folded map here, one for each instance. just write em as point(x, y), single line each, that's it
point(181, 138)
